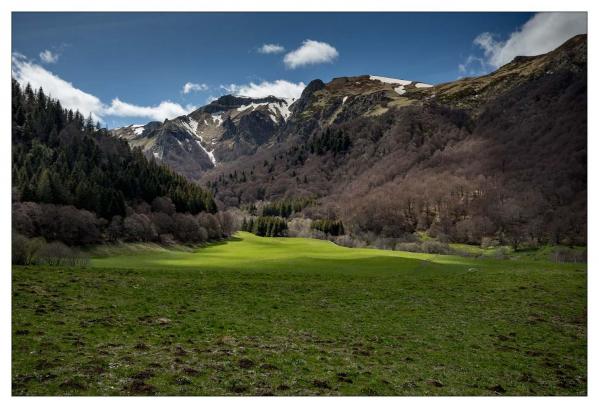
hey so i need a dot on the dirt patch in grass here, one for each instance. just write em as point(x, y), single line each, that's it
point(246, 363)
point(139, 387)
point(73, 384)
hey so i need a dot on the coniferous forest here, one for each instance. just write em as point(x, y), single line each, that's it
point(74, 183)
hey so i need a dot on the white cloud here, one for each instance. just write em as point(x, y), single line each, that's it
point(310, 52)
point(165, 110)
point(191, 87)
point(473, 66)
point(271, 49)
point(211, 98)
point(49, 57)
point(25, 71)
point(542, 33)
point(70, 97)
point(279, 88)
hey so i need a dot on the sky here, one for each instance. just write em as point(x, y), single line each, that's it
point(125, 68)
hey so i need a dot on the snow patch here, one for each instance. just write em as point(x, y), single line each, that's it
point(252, 106)
point(138, 129)
point(390, 80)
point(422, 85)
point(209, 153)
point(190, 126)
point(282, 107)
point(276, 108)
point(218, 118)
point(193, 124)
point(400, 90)
point(158, 154)
point(343, 101)
point(401, 82)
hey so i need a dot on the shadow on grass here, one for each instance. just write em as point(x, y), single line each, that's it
point(221, 242)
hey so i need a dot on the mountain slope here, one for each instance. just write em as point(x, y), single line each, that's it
point(221, 131)
point(502, 155)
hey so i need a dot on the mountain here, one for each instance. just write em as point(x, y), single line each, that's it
point(227, 128)
point(234, 126)
point(499, 157)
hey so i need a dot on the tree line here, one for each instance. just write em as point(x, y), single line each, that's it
point(286, 207)
point(265, 226)
point(329, 227)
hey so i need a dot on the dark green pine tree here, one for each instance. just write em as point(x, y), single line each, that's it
point(43, 190)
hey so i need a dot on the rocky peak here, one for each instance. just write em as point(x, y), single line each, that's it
point(228, 102)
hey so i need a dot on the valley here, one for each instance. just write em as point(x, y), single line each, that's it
point(254, 220)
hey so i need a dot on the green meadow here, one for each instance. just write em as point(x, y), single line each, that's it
point(292, 316)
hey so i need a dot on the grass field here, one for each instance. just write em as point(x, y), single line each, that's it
point(290, 316)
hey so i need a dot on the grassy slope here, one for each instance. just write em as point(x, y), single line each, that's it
point(298, 316)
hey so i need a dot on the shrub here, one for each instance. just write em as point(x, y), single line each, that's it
point(211, 224)
point(58, 254)
point(564, 255)
point(64, 222)
point(349, 241)
point(428, 247)
point(408, 247)
point(501, 253)
point(138, 227)
point(436, 247)
point(300, 227)
point(187, 227)
point(488, 242)
point(166, 239)
point(35, 251)
point(24, 250)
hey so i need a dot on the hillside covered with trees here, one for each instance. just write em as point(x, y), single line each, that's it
point(73, 183)
point(499, 159)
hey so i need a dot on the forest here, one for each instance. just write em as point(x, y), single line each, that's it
point(73, 183)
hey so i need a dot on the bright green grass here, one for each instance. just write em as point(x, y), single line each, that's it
point(289, 316)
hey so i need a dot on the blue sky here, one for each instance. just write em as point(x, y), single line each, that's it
point(143, 60)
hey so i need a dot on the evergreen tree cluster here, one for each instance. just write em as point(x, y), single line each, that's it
point(61, 158)
point(335, 141)
point(265, 226)
point(286, 207)
point(329, 227)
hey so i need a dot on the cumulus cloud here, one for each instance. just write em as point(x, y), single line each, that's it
point(165, 110)
point(191, 87)
point(542, 33)
point(70, 97)
point(279, 88)
point(25, 71)
point(271, 49)
point(49, 57)
point(309, 53)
